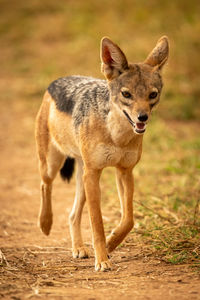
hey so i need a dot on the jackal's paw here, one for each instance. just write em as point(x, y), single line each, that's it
point(80, 252)
point(45, 224)
point(103, 266)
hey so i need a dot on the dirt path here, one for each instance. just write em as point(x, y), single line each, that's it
point(33, 266)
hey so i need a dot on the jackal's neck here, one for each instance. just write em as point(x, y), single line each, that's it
point(119, 128)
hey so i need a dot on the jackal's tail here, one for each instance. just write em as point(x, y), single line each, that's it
point(68, 169)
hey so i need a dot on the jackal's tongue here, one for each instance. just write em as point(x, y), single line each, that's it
point(140, 125)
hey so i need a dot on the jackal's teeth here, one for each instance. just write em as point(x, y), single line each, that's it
point(140, 128)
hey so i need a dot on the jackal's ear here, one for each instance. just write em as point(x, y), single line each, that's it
point(159, 55)
point(114, 61)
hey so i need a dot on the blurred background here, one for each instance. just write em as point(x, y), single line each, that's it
point(43, 40)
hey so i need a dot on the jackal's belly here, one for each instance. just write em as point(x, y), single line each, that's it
point(67, 147)
point(63, 138)
point(104, 156)
point(62, 132)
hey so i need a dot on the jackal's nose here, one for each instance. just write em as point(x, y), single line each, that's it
point(142, 117)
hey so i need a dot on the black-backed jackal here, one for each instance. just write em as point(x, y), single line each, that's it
point(98, 123)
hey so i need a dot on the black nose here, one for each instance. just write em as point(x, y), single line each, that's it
point(142, 117)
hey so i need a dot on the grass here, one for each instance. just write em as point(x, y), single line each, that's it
point(43, 40)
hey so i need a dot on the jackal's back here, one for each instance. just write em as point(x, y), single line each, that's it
point(78, 95)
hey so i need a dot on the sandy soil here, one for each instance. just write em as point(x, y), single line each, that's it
point(33, 266)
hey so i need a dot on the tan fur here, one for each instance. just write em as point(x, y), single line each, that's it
point(96, 145)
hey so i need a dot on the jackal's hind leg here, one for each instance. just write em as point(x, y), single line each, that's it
point(48, 169)
point(78, 249)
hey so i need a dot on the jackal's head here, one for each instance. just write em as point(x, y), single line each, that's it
point(135, 88)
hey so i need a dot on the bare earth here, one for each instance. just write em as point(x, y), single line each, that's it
point(33, 266)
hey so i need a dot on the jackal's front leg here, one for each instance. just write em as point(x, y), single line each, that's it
point(125, 190)
point(92, 189)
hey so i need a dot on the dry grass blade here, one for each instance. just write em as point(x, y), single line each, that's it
point(4, 261)
point(155, 212)
point(196, 210)
point(174, 216)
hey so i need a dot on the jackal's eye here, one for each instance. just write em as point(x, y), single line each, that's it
point(126, 94)
point(153, 95)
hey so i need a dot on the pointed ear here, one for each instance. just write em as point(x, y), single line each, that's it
point(159, 55)
point(113, 60)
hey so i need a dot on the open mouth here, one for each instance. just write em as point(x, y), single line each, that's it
point(139, 128)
